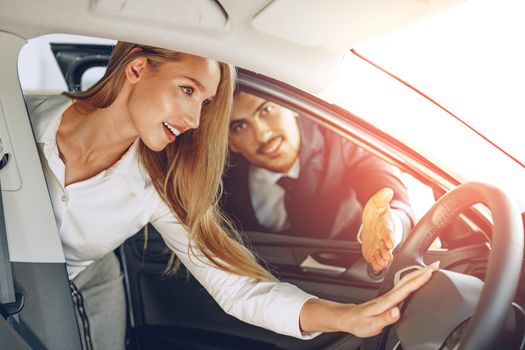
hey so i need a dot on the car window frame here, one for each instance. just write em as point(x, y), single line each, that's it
point(370, 138)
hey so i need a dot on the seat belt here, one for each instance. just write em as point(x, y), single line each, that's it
point(9, 306)
point(9, 331)
point(7, 288)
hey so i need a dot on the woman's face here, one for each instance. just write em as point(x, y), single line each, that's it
point(168, 101)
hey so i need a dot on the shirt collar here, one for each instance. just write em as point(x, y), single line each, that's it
point(46, 117)
point(265, 175)
point(46, 120)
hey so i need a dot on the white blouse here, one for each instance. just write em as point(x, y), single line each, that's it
point(97, 215)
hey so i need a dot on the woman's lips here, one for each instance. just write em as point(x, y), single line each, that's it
point(272, 148)
point(173, 128)
point(168, 133)
point(171, 131)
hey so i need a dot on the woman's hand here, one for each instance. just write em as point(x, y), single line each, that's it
point(367, 319)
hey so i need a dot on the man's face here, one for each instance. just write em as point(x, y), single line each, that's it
point(264, 133)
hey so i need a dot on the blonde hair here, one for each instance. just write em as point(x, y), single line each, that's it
point(187, 173)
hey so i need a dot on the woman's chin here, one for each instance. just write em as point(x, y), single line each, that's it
point(155, 146)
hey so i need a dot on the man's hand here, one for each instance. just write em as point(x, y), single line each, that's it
point(377, 233)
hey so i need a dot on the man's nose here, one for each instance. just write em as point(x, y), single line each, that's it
point(263, 132)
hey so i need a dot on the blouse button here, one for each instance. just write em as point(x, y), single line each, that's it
point(64, 198)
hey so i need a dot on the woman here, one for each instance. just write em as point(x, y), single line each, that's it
point(147, 143)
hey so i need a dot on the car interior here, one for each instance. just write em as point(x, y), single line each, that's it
point(480, 257)
point(176, 311)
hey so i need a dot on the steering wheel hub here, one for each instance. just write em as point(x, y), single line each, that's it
point(438, 308)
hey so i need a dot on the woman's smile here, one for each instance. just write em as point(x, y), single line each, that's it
point(171, 131)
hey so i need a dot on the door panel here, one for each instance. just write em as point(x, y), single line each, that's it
point(169, 311)
point(308, 259)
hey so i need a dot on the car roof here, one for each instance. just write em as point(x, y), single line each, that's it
point(261, 35)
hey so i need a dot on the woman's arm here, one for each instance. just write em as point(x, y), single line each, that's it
point(272, 305)
point(282, 307)
point(363, 320)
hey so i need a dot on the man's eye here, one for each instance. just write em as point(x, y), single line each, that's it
point(267, 109)
point(188, 90)
point(237, 128)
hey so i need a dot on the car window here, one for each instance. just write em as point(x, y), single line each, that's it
point(480, 82)
point(91, 76)
point(292, 176)
point(40, 72)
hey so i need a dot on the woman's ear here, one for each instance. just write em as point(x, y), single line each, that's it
point(136, 69)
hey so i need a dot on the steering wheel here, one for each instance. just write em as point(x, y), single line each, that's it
point(455, 310)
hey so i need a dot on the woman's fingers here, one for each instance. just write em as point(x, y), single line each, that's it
point(371, 317)
point(387, 318)
point(410, 283)
point(415, 274)
point(368, 326)
point(402, 290)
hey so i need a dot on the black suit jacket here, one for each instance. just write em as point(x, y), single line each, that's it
point(336, 180)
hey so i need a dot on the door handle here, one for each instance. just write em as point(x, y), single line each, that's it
point(310, 264)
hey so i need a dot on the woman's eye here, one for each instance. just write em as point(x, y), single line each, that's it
point(206, 102)
point(188, 90)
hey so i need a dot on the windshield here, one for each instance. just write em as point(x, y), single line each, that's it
point(469, 59)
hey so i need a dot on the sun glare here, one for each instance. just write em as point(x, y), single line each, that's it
point(470, 59)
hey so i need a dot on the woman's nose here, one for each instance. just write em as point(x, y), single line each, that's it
point(192, 119)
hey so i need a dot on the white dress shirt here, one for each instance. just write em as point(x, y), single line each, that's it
point(268, 197)
point(97, 215)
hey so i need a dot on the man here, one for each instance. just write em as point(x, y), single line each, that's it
point(290, 175)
